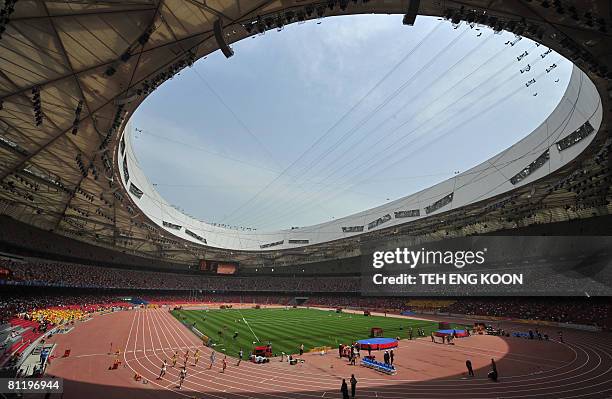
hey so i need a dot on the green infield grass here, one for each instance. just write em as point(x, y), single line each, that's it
point(287, 329)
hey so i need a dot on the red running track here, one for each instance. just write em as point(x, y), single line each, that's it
point(579, 368)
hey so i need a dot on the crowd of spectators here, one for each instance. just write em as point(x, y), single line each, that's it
point(52, 306)
point(331, 291)
point(85, 276)
point(392, 304)
point(19, 305)
point(576, 311)
point(563, 310)
point(254, 299)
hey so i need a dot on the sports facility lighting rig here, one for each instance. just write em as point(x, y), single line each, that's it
point(522, 27)
point(37, 105)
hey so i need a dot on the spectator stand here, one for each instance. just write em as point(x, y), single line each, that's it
point(7, 337)
point(25, 332)
point(35, 363)
point(16, 357)
point(30, 335)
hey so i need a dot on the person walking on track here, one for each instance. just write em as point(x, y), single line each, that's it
point(468, 364)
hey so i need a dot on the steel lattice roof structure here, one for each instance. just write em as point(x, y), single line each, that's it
point(73, 72)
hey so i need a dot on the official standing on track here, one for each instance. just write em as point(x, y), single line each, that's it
point(493, 373)
point(240, 354)
point(353, 385)
point(344, 390)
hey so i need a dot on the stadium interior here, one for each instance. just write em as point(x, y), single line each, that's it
point(91, 255)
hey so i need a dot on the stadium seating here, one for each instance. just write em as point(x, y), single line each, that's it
point(28, 335)
point(37, 273)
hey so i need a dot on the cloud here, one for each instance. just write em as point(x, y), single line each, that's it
point(289, 88)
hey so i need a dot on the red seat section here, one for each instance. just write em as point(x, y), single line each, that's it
point(30, 334)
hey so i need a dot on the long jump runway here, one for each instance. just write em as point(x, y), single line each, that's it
point(579, 368)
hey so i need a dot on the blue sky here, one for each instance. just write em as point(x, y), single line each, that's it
point(322, 120)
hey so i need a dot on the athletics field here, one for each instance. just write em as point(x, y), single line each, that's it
point(287, 329)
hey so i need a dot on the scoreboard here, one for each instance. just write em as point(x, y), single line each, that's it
point(218, 267)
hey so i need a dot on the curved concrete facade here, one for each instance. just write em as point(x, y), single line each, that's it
point(565, 133)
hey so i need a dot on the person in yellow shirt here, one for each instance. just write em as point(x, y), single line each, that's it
point(196, 357)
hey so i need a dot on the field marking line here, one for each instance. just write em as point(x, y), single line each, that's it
point(247, 323)
point(324, 393)
point(127, 363)
point(92, 354)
